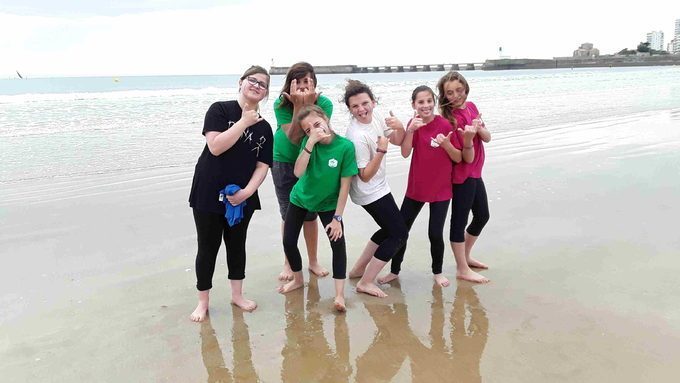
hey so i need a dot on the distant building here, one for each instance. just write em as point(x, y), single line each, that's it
point(670, 46)
point(676, 38)
point(586, 50)
point(655, 40)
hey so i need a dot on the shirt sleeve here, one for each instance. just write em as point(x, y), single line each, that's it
point(216, 119)
point(267, 154)
point(283, 115)
point(326, 105)
point(349, 162)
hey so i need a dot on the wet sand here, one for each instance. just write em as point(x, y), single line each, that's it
point(97, 280)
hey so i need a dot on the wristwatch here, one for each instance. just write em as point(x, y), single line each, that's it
point(337, 218)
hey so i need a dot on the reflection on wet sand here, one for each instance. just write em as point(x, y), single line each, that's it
point(395, 341)
point(307, 356)
point(244, 371)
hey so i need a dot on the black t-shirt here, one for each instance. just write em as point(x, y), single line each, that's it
point(236, 165)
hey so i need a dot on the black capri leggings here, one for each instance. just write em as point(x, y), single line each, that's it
point(468, 196)
point(435, 232)
point(295, 216)
point(386, 214)
point(211, 230)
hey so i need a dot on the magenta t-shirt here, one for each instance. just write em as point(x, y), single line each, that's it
point(463, 170)
point(429, 178)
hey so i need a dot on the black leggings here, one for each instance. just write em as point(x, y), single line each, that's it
point(211, 230)
point(295, 217)
point(386, 214)
point(435, 232)
point(468, 196)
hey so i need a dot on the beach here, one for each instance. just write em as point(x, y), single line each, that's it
point(98, 278)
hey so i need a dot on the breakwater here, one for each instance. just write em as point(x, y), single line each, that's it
point(502, 64)
point(334, 69)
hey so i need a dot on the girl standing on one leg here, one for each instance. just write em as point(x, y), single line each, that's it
point(369, 188)
point(238, 151)
point(469, 193)
point(428, 136)
point(299, 90)
point(325, 167)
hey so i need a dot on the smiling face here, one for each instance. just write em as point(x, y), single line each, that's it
point(455, 94)
point(361, 107)
point(251, 87)
point(423, 104)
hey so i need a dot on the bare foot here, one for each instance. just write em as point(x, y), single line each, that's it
point(339, 304)
point(290, 286)
point(441, 280)
point(200, 313)
point(387, 278)
point(476, 264)
point(244, 304)
point(286, 274)
point(472, 277)
point(318, 270)
point(370, 289)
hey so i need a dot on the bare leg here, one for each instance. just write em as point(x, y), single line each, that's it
point(339, 301)
point(387, 278)
point(463, 271)
point(367, 285)
point(469, 242)
point(310, 230)
point(361, 263)
point(287, 273)
point(441, 280)
point(202, 309)
point(297, 282)
point(237, 298)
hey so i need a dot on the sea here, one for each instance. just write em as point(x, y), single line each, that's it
point(58, 128)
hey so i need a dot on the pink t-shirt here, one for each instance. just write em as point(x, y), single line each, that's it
point(463, 170)
point(429, 178)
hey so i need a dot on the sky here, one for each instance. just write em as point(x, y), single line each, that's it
point(45, 38)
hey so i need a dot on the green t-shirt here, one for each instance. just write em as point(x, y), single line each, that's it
point(318, 189)
point(284, 150)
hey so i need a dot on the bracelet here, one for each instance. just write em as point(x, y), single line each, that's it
point(306, 150)
point(467, 147)
point(381, 151)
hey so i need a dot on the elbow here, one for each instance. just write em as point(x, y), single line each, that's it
point(298, 173)
point(214, 151)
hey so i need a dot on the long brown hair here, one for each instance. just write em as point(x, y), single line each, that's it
point(445, 108)
point(295, 72)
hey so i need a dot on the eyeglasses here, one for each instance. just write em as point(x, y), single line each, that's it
point(254, 82)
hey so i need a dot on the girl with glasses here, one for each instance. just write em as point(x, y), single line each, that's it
point(236, 157)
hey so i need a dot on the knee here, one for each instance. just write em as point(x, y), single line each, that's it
point(482, 218)
point(435, 236)
point(289, 245)
point(401, 237)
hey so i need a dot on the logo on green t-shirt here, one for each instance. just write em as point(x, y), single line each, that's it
point(333, 163)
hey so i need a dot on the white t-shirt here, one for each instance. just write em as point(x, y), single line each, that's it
point(365, 137)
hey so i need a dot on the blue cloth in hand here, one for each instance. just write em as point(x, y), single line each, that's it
point(233, 214)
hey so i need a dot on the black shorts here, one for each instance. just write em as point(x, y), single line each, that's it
point(284, 179)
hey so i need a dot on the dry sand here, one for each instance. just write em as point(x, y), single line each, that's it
point(97, 280)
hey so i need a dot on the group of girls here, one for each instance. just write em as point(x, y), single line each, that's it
point(315, 171)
